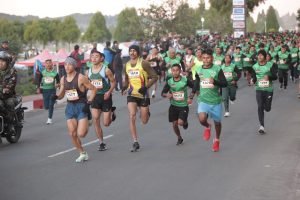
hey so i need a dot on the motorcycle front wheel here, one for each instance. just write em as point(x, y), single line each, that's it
point(14, 138)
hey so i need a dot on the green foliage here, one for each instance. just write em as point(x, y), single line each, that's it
point(260, 24)
point(271, 18)
point(220, 4)
point(25, 85)
point(97, 30)
point(250, 24)
point(184, 21)
point(13, 32)
point(128, 26)
point(70, 32)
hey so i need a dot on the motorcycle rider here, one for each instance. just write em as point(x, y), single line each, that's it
point(8, 79)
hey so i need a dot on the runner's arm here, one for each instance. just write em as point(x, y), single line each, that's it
point(112, 80)
point(151, 73)
point(273, 71)
point(238, 73)
point(221, 82)
point(39, 80)
point(61, 92)
point(87, 84)
point(253, 74)
point(165, 90)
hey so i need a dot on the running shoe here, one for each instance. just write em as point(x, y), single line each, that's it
point(82, 157)
point(49, 121)
point(261, 130)
point(102, 147)
point(185, 125)
point(206, 133)
point(227, 114)
point(135, 147)
point(153, 94)
point(113, 116)
point(216, 145)
point(179, 141)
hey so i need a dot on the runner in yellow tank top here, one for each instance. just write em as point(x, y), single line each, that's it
point(137, 73)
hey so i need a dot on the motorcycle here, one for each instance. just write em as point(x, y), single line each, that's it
point(13, 135)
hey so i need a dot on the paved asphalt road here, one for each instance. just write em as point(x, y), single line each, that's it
point(248, 167)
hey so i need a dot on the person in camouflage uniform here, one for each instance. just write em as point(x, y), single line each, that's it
point(8, 78)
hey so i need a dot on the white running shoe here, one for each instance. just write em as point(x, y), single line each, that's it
point(82, 157)
point(231, 102)
point(261, 130)
point(227, 114)
point(49, 121)
point(153, 94)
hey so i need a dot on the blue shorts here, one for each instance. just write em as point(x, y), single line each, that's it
point(74, 111)
point(213, 111)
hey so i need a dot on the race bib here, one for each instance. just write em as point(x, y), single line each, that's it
point(178, 96)
point(263, 84)
point(228, 75)
point(153, 64)
point(281, 62)
point(218, 62)
point(72, 95)
point(49, 80)
point(205, 84)
point(98, 83)
point(294, 55)
point(134, 73)
point(237, 59)
point(247, 59)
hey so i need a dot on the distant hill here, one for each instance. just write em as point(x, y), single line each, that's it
point(287, 21)
point(81, 19)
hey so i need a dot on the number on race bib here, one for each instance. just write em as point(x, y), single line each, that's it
point(218, 62)
point(98, 83)
point(228, 75)
point(49, 80)
point(247, 59)
point(294, 55)
point(72, 95)
point(237, 59)
point(178, 96)
point(281, 62)
point(263, 84)
point(134, 74)
point(205, 84)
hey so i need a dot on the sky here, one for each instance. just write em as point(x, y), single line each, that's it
point(58, 8)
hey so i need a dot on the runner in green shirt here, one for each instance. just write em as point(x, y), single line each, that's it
point(175, 89)
point(263, 73)
point(209, 79)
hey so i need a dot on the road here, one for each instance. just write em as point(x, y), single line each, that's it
point(248, 167)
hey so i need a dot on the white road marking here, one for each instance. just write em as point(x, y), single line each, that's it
point(72, 149)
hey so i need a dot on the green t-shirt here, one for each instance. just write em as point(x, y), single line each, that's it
point(247, 60)
point(282, 60)
point(209, 93)
point(238, 61)
point(229, 72)
point(261, 71)
point(218, 59)
point(48, 80)
point(100, 80)
point(294, 54)
point(179, 91)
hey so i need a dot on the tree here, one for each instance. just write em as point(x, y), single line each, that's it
point(12, 31)
point(70, 32)
point(298, 17)
point(55, 31)
point(171, 7)
point(97, 30)
point(271, 20)
point(260, 24)
point(184, 21)
point(250, 24)
point(29, 32)
point(217, 4)
point(128, 26)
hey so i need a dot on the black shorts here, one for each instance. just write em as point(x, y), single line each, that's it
point(100, 103)
point(176, 113)
point(157, 70)
point(139, 101)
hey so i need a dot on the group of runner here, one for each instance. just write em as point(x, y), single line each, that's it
point(212, 70)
